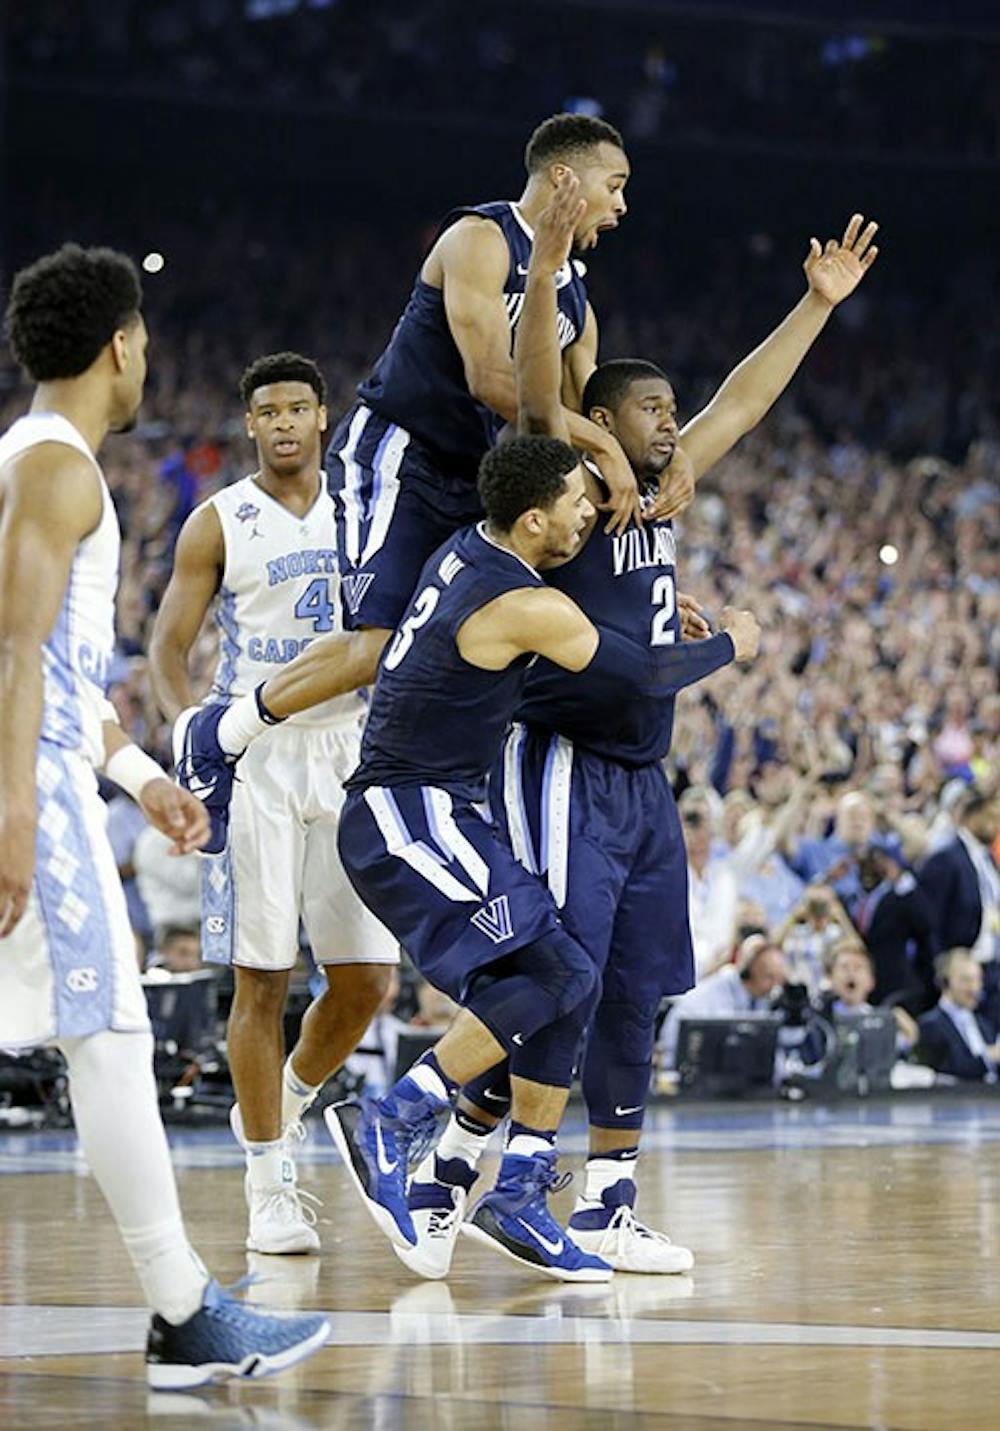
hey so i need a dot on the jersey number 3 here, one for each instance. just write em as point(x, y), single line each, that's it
point(315, 605)
point(664, 601)
point(423, 610)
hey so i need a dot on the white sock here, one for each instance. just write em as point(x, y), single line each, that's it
point(602, 1173)
point(240, 725)
point(455, 1142)
point(118, 1123)
point(428, 1078)
point(525, 1145)
point(269, 1166)
point(296, 1095)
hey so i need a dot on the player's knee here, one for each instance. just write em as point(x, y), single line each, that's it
point(625, 1031)
point(562, 969)
point(260, 993)
point(357, 990)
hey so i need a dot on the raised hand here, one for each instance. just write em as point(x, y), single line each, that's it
point(834, 272)
point(556, 225)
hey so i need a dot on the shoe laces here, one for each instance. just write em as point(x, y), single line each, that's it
point(441, 1221)
point(623, 1225)
point(422, 1138)
point(204, 768)
point(292, 1204)
point(295, 1131)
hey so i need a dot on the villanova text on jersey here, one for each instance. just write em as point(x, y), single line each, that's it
point(419, 381)
point(627, 583)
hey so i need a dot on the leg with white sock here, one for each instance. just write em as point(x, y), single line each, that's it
point(280, 1219)
point(332, 1027)
point(115, 1108)
point(198, 1334)
point(616, 1074)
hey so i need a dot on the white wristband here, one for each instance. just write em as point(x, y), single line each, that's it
point(132, 769)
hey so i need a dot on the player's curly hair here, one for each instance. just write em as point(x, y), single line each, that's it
point(281, 368)
point(66, 306)
point(522, 473)
point(608, 384)
point(565, 134)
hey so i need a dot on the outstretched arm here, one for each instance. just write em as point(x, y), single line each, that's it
point(833, 273)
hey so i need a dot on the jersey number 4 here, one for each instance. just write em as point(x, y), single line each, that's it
point(315, 605)
point(664, 599)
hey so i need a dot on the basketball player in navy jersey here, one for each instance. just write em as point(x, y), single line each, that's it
point(68, 975)
point(426, 859)
point(403, 462)
point(580, 788)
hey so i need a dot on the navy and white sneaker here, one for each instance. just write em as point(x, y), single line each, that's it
point(514, 1219)
point(437, 1208)
point(611, 1230)
point(205, 769)
point(226, 1339)
point(378, 1138)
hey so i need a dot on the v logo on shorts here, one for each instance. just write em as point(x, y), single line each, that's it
point(355, 589)
point(494, 920)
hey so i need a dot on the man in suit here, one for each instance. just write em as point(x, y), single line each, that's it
point(961, 882)
point(895, 920)
point(954, 1039)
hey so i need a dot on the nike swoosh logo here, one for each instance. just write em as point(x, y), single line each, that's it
point(201, 789)
point(522, 270)
point(494, 1097)
point(518, 1039)
point(554, 1247)
point(384, 1165)
point(621, 1112)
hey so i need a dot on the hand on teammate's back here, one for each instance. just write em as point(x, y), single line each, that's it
point(742, 626)
point(175, 813)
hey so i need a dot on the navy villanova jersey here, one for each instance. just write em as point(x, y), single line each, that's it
point(628, 584)
point(435, 719)
point(419, 381)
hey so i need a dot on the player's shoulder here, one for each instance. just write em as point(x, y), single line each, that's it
point(54, 478)
point(473, 238)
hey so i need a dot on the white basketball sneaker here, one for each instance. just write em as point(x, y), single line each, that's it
point(437, 1213)
point(610, 1230)
point(282, 1215)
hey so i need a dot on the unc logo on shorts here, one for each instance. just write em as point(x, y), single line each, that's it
point(215, 924)
point(82, 981)
point(494, 920)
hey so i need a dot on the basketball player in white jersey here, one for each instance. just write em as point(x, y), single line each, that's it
point(265, 547)
point(68, 974)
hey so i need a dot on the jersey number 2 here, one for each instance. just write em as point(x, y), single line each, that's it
point(315, 605)
point(664, 601)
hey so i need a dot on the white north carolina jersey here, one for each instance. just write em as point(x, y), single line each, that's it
point(280, 590)
point(76, 658)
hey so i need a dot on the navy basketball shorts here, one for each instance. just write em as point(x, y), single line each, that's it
point(434, 870)
point(393, 510)
point(607, 842)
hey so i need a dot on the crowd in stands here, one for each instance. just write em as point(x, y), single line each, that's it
point(838, 796)
point(678, 74)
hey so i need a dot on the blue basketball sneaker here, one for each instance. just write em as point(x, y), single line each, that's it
point(224, 1339)
point(378, 1138)
point(514, 1219)
point(205, 769)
